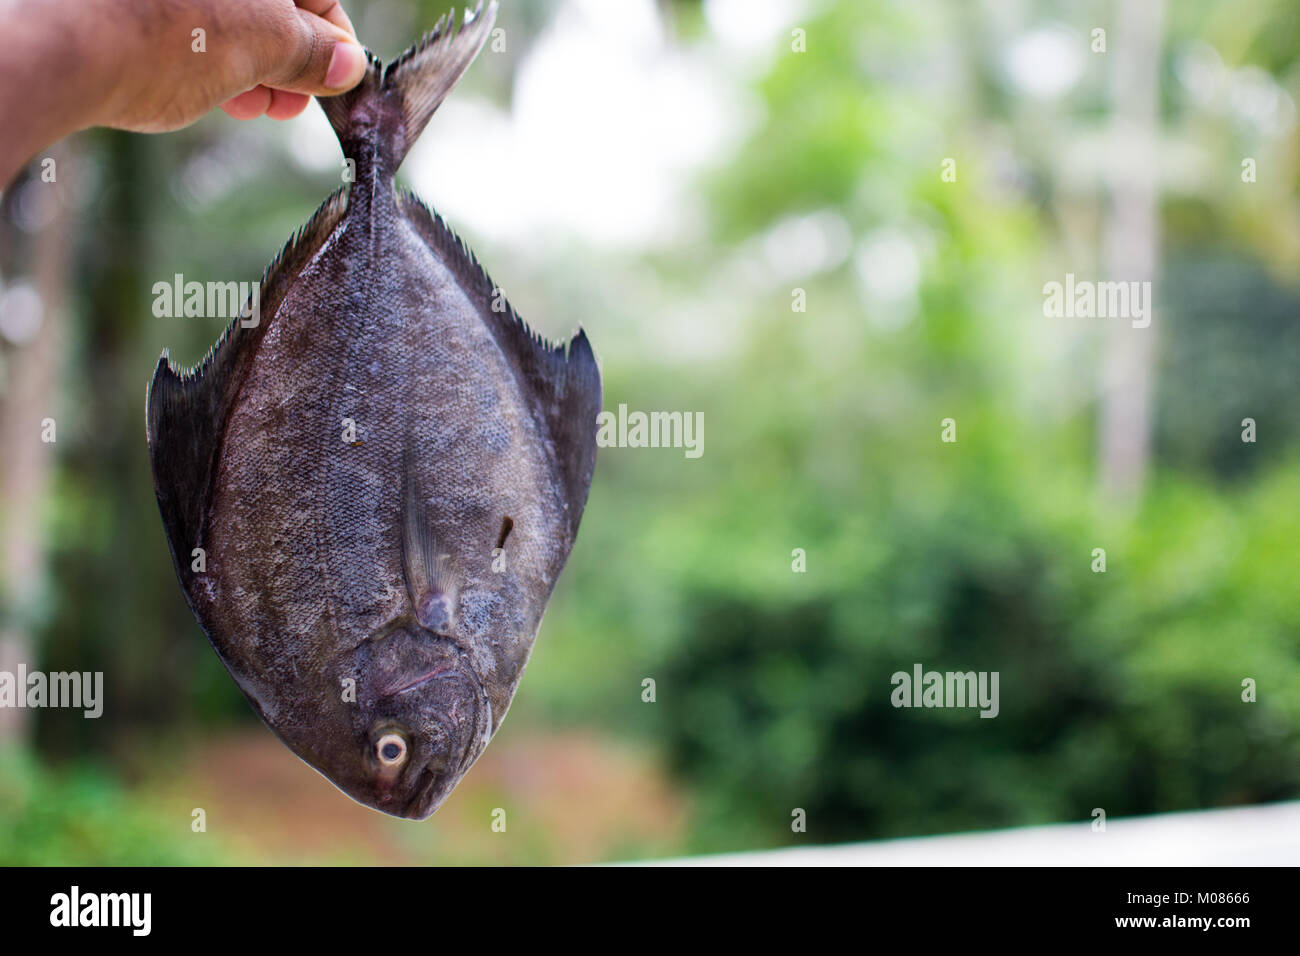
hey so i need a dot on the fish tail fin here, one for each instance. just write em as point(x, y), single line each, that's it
point(420, 78)
point(339, 109)
point(427, 72)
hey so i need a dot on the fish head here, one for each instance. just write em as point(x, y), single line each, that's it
point(423, 718)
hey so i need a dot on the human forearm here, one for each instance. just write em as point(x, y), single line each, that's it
point(155, 65)
point(54, 69)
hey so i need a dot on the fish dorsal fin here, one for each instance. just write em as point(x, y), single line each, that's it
point(186, 409)
point(561, 379)
point(416, 82)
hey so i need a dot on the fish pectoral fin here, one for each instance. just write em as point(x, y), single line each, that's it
point(430, 580)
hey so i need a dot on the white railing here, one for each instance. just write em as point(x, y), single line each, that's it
point(1267, 835)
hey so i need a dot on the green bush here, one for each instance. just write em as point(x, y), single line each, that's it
point(82, 817)
point(1120, 690)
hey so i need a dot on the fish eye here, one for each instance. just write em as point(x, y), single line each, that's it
point(391, 750)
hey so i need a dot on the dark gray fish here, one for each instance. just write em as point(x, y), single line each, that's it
point(385, 475)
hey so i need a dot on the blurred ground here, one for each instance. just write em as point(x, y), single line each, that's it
point(587, 799)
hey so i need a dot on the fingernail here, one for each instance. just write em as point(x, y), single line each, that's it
point(347, 65)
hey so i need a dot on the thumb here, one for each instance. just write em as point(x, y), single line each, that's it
point(320, 59)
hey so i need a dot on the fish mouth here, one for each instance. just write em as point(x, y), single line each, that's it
point(427, 796)
point(433, 786)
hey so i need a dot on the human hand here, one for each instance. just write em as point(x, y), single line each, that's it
point(156, 65)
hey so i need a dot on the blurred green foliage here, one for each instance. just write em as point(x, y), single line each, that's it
point(83, 816)
point(1121, 690)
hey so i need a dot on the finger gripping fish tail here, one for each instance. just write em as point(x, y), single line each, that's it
point(417, 81)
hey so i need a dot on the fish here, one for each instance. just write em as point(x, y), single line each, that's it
point(369, 493)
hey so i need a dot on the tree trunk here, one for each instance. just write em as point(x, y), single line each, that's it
point(29, 396)
point(1130, 246)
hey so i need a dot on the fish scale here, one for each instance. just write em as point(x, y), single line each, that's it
point(351, 587)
